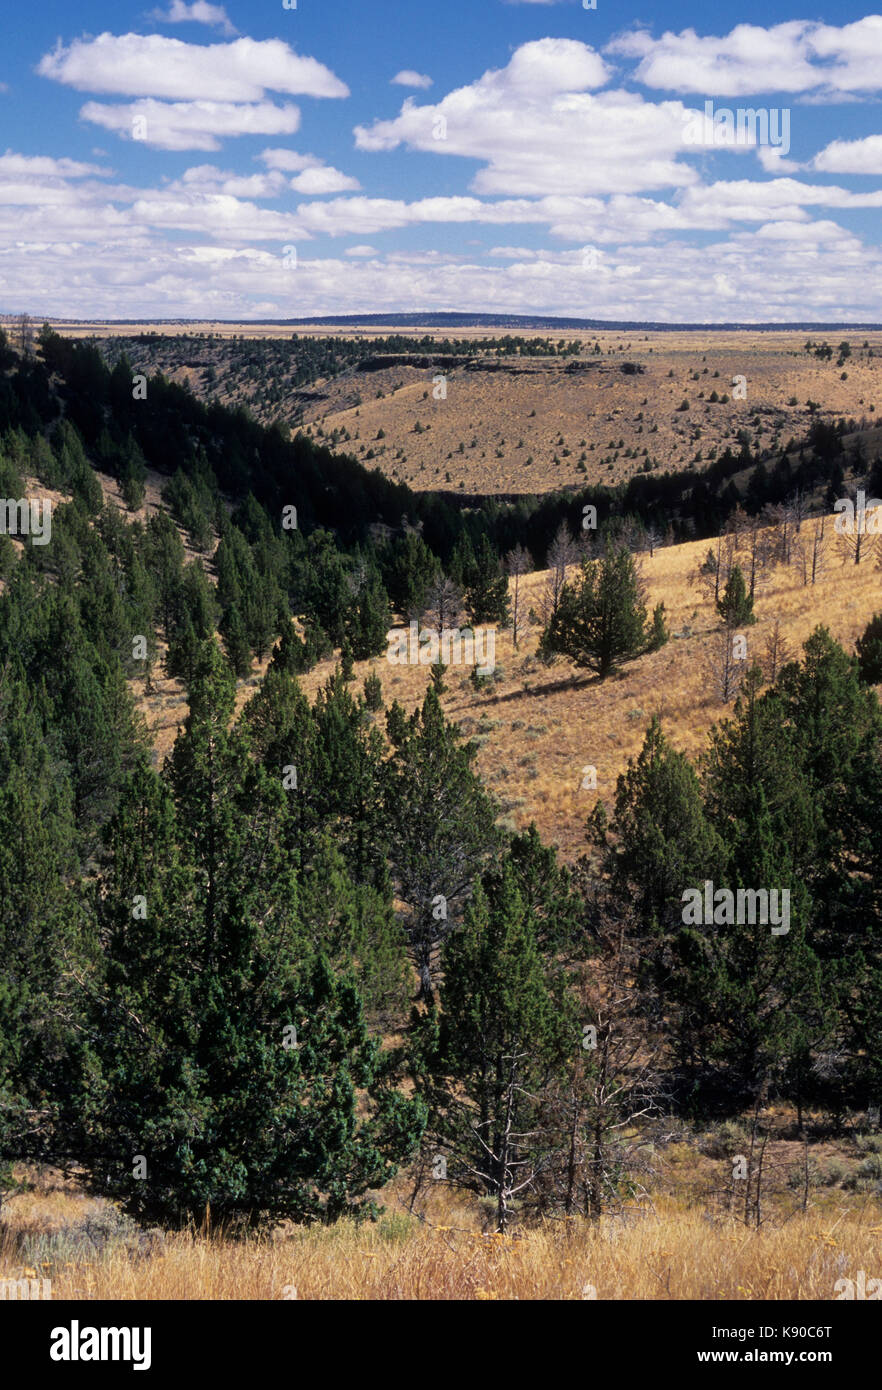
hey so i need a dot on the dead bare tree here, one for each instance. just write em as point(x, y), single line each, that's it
point(857, 532)
point(654, 538)
point(25, 331)
point(781, 519)
point(777, 653)
point(819, 549)
point(518, 562)
point(855, 545)
point(800, 506)
point(443, 604)
point(707, 575)
point(724, 665)
point(612, 1081)
point(562, 553)
point(753, 536)
point(713, 573)
point(810, 551)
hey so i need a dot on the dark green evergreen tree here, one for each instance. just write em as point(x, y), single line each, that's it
point(485, 1059)
point(601, 618)
point(440, 827)
point(735, 604)
point(373, 692)
point(658, 632)
point(409, 572)
point(226, 1058)
point(232, 629)
point(486, 592)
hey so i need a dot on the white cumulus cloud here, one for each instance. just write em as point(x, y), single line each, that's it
point(151, 65)
point(851, 156)
point(408, 78)
point(288, 160)
point(539, 128)
point(323, 179)
point(199, 12)
point(796, 56)
point(191, 125)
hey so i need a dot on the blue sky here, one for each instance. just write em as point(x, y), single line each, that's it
point(193, 160)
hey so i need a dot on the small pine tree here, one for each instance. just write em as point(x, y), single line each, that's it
point(347, 666)
point(373, 692)
point(396, 724)
point(658, 632)
point(437, 673)
point(735, 605)
point(236, 641)
point(486, 591)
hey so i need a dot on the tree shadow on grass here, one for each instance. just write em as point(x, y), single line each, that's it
point(579, 682)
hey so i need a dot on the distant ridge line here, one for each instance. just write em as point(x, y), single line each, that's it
point(462, 320)
point(466, 320)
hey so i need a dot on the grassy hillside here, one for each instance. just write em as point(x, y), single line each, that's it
point(538, 725)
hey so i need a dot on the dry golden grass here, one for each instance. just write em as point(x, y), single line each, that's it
point(669, 1251)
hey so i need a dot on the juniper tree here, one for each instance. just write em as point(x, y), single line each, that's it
point(758, 990)
point(367, 622)
point(353, 924)
point(735, 605)
point(548, 891)
point(440, 830)
point(658, 631)
point(224, 1049)
point(660, 840)
point(283, 736)
point(45, 946)
point(836, 726)
point(482, 1061)
point(261, 612)
point(601, 618)
point(347, 666)
point(232, 629)
point(486, 592)
point(410, 570)
point(349, 779)
point(373, 692)
point(295, 655)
